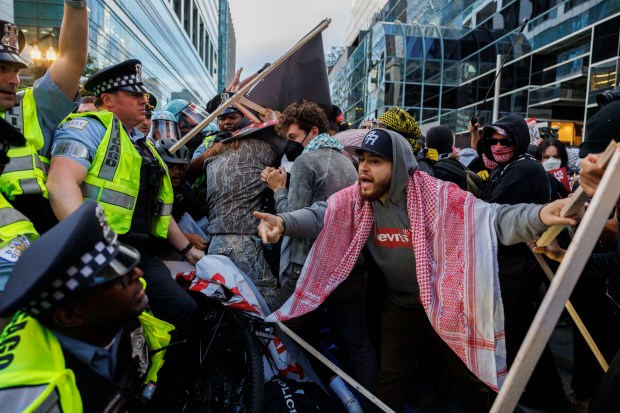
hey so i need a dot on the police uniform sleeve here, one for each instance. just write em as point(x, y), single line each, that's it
point(52, 107)
point(199, 150)
point(78, 139)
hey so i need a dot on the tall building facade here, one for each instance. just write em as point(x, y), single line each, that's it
point(227, 44)
point(437, 59)
point(6, 10)
point(176, 40)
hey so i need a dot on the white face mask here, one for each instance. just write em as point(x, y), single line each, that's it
point(551, 164)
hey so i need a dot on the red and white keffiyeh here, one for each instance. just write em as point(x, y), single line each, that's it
point(455, 246)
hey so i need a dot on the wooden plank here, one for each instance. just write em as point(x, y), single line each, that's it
point(335, 369)
point(578, 322)
point(560, 289)
point(248, 114)
point(246, 88)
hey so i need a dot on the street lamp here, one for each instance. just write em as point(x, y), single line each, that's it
point(42, 62)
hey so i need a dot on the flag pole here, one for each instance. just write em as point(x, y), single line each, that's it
point(246, 88)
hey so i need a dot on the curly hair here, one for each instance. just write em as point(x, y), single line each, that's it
point(305, 115)
point(561, 148)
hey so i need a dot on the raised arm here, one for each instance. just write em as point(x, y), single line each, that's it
point(72, 49)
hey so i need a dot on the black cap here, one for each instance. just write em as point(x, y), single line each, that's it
point(440, 138)
point(377, 141)
point(78, 253)
point(601, 129)
point(230, 109)
point(126, 76)
point(12, 43)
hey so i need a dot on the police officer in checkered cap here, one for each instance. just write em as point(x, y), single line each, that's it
point(103, 156)
point(78, 307)
point(125, 76)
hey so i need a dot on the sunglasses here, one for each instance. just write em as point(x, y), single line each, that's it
point(502, 142)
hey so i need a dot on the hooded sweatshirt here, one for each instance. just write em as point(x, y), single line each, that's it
point(522, 178)
point(390, 243)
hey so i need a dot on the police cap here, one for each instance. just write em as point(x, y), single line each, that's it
point(125, 76)
point(78, 253)
point(12, 42)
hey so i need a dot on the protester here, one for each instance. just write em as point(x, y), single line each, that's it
point(37, 111)
point(596, 295)
point(439, 160)
point(80, 339)
point(232, 168)
point(420, 245)
point(131, 183)
point(319, 170)
point(519, 178)
point(401, 121)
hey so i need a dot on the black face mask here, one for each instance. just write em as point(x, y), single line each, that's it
point(293, 149)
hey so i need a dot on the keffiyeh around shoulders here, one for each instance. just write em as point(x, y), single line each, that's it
point(455, 245)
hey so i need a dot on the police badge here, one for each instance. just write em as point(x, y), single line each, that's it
point(10, 38)
point(139, 73)
point(139, 349)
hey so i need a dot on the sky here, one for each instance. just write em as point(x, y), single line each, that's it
point(266, 29)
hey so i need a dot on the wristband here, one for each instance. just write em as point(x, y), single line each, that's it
point(76, 4)
point(186, 249)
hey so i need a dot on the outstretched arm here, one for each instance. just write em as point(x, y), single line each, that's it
point(72, 51)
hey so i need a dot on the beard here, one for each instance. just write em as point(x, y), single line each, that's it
point(377, 190)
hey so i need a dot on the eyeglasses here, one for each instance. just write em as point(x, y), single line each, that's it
point(502, 142)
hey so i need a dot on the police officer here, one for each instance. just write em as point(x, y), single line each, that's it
point(79, 339)
point(16, 231)
point(36, 112)
point(145, 126)
point(102, 156)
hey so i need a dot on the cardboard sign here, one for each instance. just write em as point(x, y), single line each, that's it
point(534, 132)
point(561, 175)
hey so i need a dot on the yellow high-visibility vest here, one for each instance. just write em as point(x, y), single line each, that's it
point(33, 373)
point(13, 223)
point(113, 178)
point(27, 172)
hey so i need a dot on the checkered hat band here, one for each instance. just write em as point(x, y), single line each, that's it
point(117, 82)
point(75, 276)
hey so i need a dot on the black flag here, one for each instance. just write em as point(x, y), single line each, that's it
point(303, 76)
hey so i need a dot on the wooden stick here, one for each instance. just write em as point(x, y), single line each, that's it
point(560, 289)
point(247, 112)
point(577, 199)
point(573, 313)
point(246, 88)
point(335, 369)
point(254, 106)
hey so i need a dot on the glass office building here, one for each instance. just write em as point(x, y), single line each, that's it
point(176, 40)
point(437, 59)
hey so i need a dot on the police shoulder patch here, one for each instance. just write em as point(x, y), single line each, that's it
point(76, 124)
point(14, 249)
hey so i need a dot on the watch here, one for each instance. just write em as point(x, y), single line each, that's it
point(76, 4)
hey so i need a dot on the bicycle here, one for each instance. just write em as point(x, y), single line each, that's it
point(229, 376)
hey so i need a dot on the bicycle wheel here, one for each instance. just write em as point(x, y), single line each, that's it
point(231, 377)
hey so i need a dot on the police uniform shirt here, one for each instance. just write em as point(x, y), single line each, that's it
point(101, 360)
point(79, 139)
point(52, 107)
